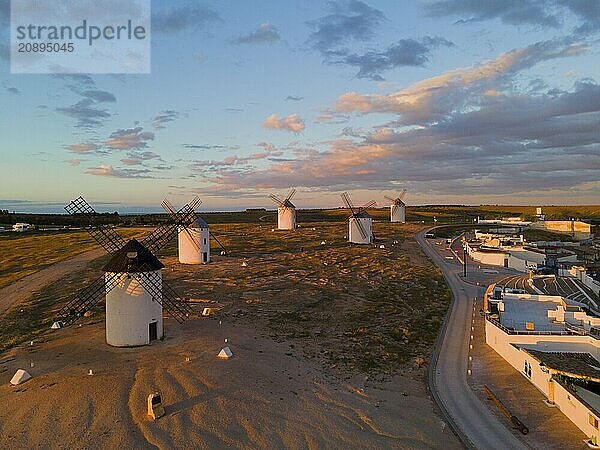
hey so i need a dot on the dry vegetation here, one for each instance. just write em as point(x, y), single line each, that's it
point(22, 254)
point(357, 309)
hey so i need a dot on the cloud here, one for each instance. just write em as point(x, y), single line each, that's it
point(468, 133)
point(210, 146)
point(163, 118)
point(129, 139)
point(294, 98)
point(85, 147)
point(269, 151)
point(74, 162)
point(190, 16)
point(99, 95)
point(348, 21)
point(536, 13)
point(513, 12)
point(107, 170)
point(434, 98)
point(265, 34)
point(587, 11)
point(12, 90)
point(137, 158)
point(293, 122)
point(406, 52)
point(86, 113)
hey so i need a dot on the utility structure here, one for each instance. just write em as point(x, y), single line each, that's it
point(360, 222)
point(397, 208)
point(286, 211)
point(132, 283)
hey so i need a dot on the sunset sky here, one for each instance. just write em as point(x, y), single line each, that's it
point(458, 101)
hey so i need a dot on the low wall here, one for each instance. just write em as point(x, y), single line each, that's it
point(577, 411)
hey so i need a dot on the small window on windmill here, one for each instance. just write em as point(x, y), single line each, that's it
point(131, 255)
point(529, 326)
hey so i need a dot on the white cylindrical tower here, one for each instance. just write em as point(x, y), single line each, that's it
point(133, 313)
point(286, 218)
point(354, 233)
point(194, 243)
point(398, 213)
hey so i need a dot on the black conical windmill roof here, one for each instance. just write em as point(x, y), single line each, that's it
point(133, 257)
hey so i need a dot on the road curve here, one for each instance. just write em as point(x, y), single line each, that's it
point(470, 418)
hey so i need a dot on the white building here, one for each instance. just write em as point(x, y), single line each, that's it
point(133, 315)
point(194, 243)
point(555, 345)
point(21, 227)
point(397, 208)
point(360, 228)
point(286, 211)
point(286, 216)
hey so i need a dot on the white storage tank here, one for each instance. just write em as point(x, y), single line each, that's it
point(355, 234)
point(133, 315)
point(194, 243)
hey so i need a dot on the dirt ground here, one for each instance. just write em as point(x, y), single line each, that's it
point(266, 396)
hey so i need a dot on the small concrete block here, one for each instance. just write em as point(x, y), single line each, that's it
point(20, 376)
point(155, 407)
point(225, 353)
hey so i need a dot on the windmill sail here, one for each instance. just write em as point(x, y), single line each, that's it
point(104, 235)
point(87, 298)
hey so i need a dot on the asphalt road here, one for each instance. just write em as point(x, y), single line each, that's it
point(469, 416)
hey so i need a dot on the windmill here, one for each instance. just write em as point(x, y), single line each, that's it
point(132, 282)
point(360, 222)
point(397, 208)
point(286, 211)
point(193, 240)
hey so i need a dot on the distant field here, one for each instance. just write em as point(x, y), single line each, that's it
point(22, 254)
point(551, 212)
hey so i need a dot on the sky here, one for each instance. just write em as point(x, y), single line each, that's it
point(457, 101)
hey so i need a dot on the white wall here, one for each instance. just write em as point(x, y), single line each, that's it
point(398, 213)
point(193, 244)
point(574, 409)
point(130, 309)
point(286, 218)
point(354, 234)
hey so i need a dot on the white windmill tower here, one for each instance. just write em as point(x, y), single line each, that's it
point(193, 240)
point(132, 316)
point(360, 222)
point(397, 208)
point(286, 211)
point(132, 283)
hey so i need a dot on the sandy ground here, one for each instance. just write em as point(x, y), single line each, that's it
point(27, 286)
point(267, 396)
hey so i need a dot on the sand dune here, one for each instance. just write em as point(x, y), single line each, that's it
point(267, 396)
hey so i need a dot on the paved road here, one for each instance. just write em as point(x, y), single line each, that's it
point(471, 418)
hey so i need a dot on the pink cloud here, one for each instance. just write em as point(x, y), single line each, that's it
point(293, 123)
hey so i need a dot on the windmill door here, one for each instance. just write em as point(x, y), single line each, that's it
point(204, 256)
point(152, 328)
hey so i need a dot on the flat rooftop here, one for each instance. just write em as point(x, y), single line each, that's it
point(518, 312)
